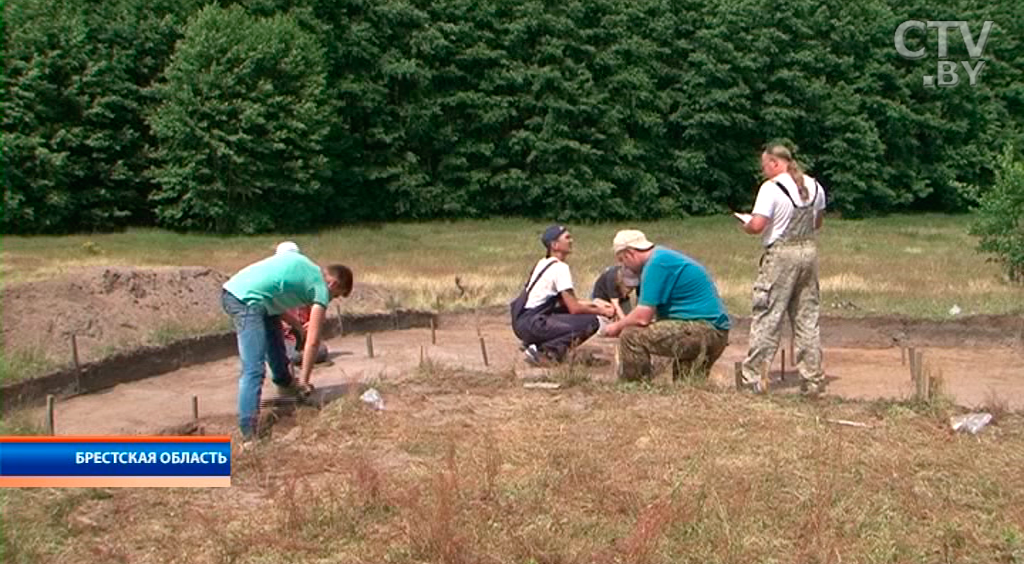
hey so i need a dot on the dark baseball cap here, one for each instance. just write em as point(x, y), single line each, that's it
point(551, 234)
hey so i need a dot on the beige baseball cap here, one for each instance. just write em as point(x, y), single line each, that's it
point(631, 239)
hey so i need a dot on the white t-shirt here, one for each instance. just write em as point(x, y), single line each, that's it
point(772, 203)
point(555, 280)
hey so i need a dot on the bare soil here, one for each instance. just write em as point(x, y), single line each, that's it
point(979, 359)
point(108, 308)
point(118, 308)
point(976, 376)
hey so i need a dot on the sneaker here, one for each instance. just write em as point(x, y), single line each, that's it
point(532, 356)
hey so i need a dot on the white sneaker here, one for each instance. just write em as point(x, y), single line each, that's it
point(532, 355)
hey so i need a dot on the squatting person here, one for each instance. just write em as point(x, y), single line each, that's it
point(552, 319)
point(679, 313)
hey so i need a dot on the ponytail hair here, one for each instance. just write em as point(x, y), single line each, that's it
point(782, 152)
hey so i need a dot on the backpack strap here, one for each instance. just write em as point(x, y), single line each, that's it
point(537, 279)
point(786, 192)
point(791, 200)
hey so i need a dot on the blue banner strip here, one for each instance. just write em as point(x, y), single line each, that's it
point(115, 459)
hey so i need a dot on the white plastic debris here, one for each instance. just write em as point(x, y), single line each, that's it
point(972, 423)
point(955, 310)
point(373, 399)
point(542, 385)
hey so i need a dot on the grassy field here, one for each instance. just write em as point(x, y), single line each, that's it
point(467, 468)
point(918, 265)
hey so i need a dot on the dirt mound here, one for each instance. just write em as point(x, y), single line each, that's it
point(365, 298)
point(110, 308)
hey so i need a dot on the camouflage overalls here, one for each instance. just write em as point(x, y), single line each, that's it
point(787, 284)
point(692, 345)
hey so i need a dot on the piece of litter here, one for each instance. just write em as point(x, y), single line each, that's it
point(372, 398)
point(972, 423)
point(955, 310)
point(848, 423)
point(837, 421)
point(542, 385)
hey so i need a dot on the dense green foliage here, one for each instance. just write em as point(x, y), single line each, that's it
point(281, 114)
point(76, 84)
point(1000, 221)
point(241, 125)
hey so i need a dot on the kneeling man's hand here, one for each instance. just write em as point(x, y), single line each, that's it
point(613, 330)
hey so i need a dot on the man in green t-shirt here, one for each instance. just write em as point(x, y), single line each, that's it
point(679, 314)
point(258, 298)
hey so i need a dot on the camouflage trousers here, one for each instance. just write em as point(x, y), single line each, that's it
point(693, 347)
point(786, 286)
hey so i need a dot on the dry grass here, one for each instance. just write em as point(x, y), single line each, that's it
point(466, 468)
point(913, 265)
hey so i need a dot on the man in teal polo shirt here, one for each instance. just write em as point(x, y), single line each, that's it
point(679, 314)
point(257, 298)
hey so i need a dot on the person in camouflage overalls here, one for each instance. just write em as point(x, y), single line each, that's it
point(787, 213)
point(679, 313)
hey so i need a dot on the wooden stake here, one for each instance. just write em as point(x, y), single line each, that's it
point(195, 408)
point(421, 356)
point(738, 368)
point(433, 331)
point(74, 353)
point(369, 345)
point(903, 355)
point(483, 351)
point(78, 364)
point(765, 369)
point(49, 415)
point(913, 362)
point(783, 375)
point(921, 380)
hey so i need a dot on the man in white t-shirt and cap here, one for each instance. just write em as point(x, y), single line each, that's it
point(553, 319)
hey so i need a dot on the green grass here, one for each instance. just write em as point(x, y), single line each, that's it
point(914, 265)
point(179, 330)
point(465, 468)
point(20, 364)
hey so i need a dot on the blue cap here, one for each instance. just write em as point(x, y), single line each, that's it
point(551, 234)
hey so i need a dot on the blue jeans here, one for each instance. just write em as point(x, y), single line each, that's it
point(259, 339)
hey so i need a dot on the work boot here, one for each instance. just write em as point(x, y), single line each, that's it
point(755, 388)
point(812, 390)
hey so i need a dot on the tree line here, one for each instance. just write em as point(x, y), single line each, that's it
point(283, 115)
